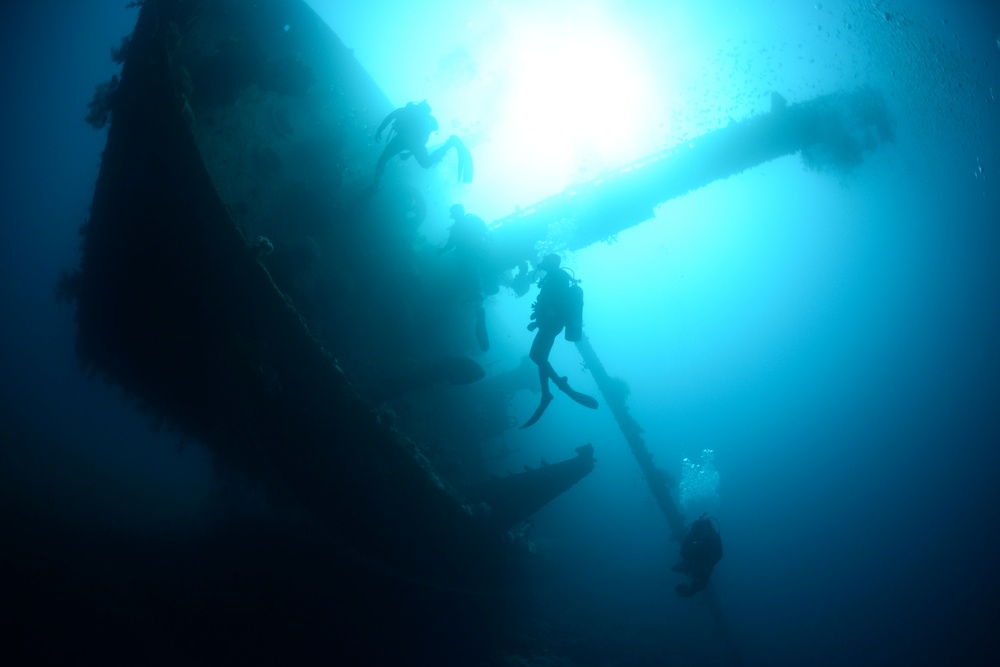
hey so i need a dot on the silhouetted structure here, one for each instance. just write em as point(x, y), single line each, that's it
point(831, 133)
point(225, 130)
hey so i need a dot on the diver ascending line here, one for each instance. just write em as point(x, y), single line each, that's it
point(701, 550)
point(412, 126)
point(559, 304)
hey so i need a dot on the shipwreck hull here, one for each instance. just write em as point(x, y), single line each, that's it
point(224, 130)
point(173, 305)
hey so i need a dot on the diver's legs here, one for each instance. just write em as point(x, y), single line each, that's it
point(392, 149)
point(583, 399)
point(423, 158)
point(540, 349)
point(428, 160)
point(482, 335)
point(539, 354)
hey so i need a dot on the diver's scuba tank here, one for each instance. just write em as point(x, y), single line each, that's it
point(574, 313)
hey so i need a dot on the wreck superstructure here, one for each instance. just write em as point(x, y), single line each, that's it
point(829, 133)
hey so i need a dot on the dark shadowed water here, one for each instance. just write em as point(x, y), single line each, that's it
point(814, 355)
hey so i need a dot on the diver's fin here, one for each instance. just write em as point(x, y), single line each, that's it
point(482, 336)
point(539, 411)
point(583, 399)
point(464, 159)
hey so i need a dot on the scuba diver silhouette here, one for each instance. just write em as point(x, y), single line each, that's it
point(412, 127)
point(700, 551)
point(559, 305)
point(469, 238)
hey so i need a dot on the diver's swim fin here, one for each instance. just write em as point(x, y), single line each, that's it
point(583, 399)
point(539, 411)
point(482, 336)
point(464, 159)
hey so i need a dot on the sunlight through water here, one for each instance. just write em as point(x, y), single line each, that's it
point(581, 97)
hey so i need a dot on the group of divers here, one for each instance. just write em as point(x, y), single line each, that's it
point(558, 307)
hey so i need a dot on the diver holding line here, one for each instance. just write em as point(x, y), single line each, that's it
point(559, 305)
point(700, 551)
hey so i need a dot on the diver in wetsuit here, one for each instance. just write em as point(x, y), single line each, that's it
point(469, 238)
point(559, 305)
point(701, 550)
point(412, 126)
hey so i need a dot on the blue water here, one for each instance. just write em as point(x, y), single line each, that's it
point(830, 339)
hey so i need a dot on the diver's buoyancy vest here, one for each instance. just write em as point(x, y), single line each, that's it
point(561, 303)
point(414, 124)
